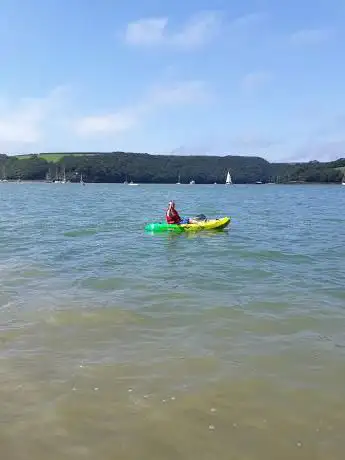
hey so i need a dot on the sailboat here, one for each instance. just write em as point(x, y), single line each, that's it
point(343, 180)
point(81, 179)
point(48, 177)
point(192, 182)
point(57, 177)
point(228, 179)
point(4, 178)
point(179, 180)
point(129, 183)
point(64, 176)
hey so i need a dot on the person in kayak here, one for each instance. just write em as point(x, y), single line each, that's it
point(173, 217)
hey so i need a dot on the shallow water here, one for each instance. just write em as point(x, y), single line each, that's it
point(119, 344)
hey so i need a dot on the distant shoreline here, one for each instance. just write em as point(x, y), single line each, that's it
point(121, 167)
point(40, 181)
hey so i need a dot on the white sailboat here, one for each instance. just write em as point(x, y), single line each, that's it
point(343, 180)
point(130, 183)
point(81, 179)
point(179, 180)
point(64, 176)
point(57, 179)
point(228, 180)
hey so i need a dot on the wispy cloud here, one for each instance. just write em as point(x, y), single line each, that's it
point(255, 80)
point(114, 123)
point(26, 123)
point(322, 150)
point(254, 142)
point(181, 92)
point(311, 36)
point(149, 31)
point(325, 141)
point(246, 143)
point(248, 20)
point(21, 122)
point(158, 97)
point(156, 31)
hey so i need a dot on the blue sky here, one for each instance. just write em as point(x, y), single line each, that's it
point(244, 77)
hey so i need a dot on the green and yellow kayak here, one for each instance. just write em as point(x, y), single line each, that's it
point(211, 224)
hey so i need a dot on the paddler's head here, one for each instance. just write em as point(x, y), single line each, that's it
point(171, 204)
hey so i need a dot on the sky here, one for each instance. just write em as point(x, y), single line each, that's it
point(246, 77)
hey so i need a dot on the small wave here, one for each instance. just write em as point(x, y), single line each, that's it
point(97, 316)
point(271, 254)
point(81, 232)
point(106, 284)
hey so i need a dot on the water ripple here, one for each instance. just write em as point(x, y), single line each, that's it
point(109, 334)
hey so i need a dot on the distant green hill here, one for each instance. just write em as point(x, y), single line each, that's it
point(145, 168)
point(51, 157)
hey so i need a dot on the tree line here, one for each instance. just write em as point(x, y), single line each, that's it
point(145, 168)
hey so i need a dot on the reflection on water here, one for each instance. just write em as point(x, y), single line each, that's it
point(191, 235)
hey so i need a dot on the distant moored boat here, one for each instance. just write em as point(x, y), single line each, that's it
point(228, 179)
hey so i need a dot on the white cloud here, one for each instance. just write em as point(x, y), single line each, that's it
point(114, 123)
point(149, 31)
point(120, 121)
point(182, 92)
point(26, 123)
point(198, 30)
point(310, 36)
point(21, 122)
point(155, 31)
point(20, 126)
point(255, 80)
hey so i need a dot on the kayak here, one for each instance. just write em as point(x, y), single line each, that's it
point(211, 224)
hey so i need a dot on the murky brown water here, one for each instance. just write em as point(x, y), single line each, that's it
point(155, 411)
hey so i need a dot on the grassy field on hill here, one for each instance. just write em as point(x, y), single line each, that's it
point(51, 157)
